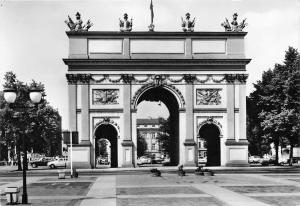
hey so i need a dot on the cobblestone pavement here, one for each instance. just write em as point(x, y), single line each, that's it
point(170, 189)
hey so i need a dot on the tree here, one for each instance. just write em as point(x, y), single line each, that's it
point(141, 145)
point(277, 103)
point(39, 124)
point(164, 135)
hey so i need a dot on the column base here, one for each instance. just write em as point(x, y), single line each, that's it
point(190, 153)
point(237, 163)
point(236, 153)
point(127, 153)
point(80, 156)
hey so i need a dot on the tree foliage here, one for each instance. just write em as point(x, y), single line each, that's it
point(273, 108)
point(141, 145)
point(39, 125)
point(164, 135)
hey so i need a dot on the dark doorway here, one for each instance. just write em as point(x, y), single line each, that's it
point(211, 134)
point(106, 132)
point(161, 95)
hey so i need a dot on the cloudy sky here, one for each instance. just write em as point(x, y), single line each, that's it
point(33, 40)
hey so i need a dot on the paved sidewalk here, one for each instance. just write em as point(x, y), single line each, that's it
point(170, 189)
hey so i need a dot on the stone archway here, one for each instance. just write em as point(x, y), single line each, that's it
point(173, 101)
point(108, 132)
point(210, 134)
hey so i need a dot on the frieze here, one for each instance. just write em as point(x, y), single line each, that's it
point(208, 97)
point(105, 96)
point(78, 78)
point(231, 78)
point(157, 79)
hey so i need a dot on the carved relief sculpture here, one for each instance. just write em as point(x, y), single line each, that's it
point(125, 25)
point(187, 25)
point(77, 25)
point(235, 26)
point(208, 97)
point(105, 96)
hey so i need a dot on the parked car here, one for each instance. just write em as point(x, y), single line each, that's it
point(143, 160)
point(272, 161)
point(255, 159)
point(166, 161)
point(157, 160)
point(61, 162)
point(40, 162)
point(202, 160)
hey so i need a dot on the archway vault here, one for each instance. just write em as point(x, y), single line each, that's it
point(172, 89)
point(211, 120)
point(106, 121)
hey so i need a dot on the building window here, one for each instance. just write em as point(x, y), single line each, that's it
point(153, 146)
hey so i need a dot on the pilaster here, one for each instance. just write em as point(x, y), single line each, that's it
point(127, 139)
point(72, 100)
point(189, 143)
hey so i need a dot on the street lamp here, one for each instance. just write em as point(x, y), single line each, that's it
point(10, 96)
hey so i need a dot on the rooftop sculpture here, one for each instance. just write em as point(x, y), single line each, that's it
point(235, 26)
point(125, 25)
point(187, 24)
point(77, 25)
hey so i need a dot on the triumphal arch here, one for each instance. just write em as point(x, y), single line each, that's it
point(199, 76)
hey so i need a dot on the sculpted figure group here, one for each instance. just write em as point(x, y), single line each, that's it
point(77, 25)
point(235, 26)
point(126, 25)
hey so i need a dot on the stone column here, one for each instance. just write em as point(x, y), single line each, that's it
point(189, 143)
point(127, 141)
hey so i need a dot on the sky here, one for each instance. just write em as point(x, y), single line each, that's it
point(33, 40)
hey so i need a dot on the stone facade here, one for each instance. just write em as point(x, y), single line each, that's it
point(204, 73)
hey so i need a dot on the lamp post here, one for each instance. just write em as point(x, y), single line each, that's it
point(10, 96)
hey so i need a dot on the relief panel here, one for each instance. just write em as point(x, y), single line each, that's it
point(208, 97)
point(105, 96)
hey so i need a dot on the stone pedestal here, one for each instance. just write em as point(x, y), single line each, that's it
point(80, 155)
point(127, 153)
point(237, 153)
point(190, 152)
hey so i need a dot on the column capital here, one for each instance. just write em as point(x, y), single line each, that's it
point(127, 78)
point(230, 78)
point(189, 78)
point(242, 77)
point(75, 78)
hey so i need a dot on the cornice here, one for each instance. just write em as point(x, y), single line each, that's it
point(154, 62)
point(117, 34)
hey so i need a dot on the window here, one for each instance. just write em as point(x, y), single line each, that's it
point(153, 146)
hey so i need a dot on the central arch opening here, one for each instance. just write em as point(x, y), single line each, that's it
point(210, 144)
point(158, 129)
point(106, 147)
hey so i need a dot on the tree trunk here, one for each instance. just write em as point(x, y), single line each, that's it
point(19, 155)
point(276, 151)
point(291, 155)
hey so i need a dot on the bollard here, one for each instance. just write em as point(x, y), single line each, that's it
point(61, 174)
point(12, 195)
point(75, 173)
